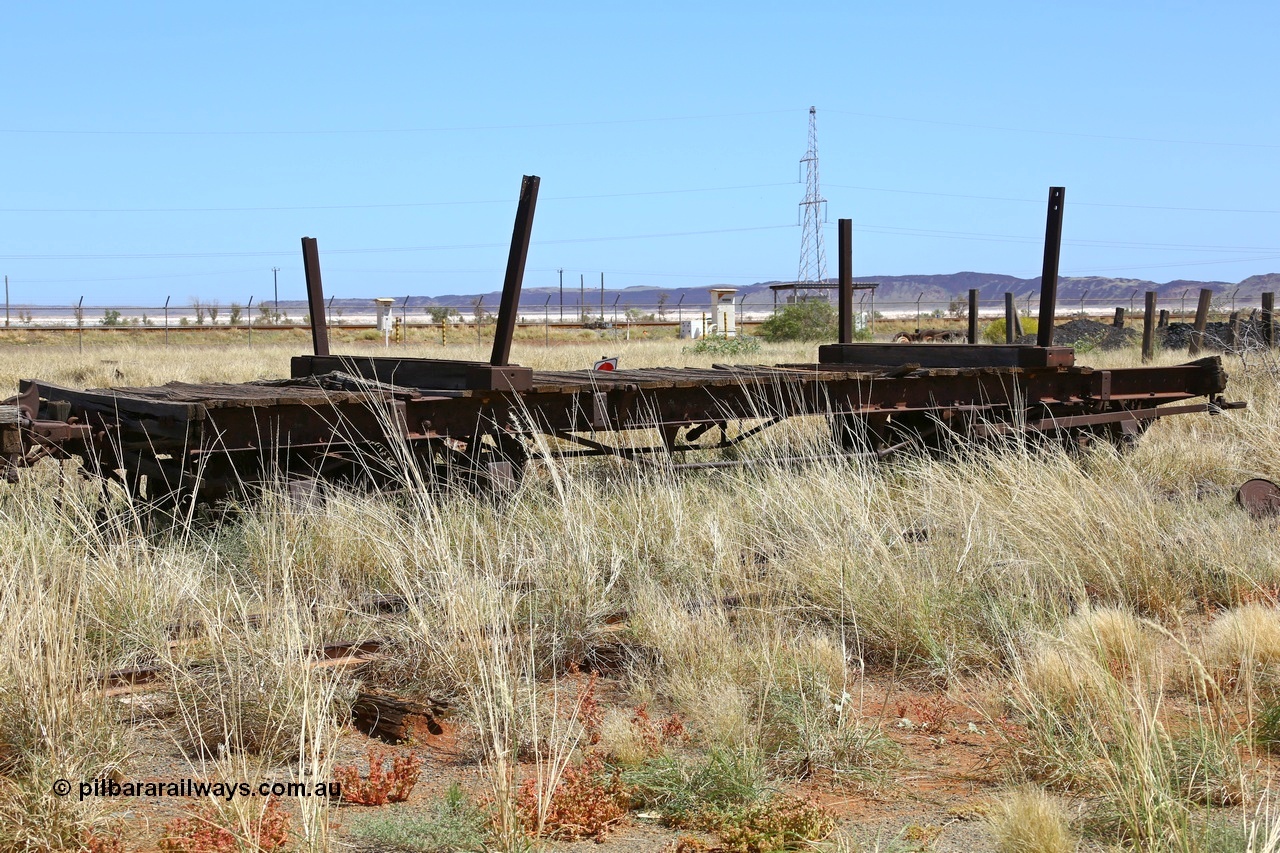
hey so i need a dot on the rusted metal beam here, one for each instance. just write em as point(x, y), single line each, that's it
point(973, 316)
point(845, 232)
point(1010, 319)
point(511, 285)
point(1202, 318)
point(1049, 271)
point(315, 296)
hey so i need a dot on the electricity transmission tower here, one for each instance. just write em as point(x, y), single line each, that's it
point(813, 261)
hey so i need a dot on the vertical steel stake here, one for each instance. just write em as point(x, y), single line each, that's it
point(1010, 318)
point(514, 280)
point(1049, 271)
point(315, 296)
point(845, 230)
point(973, 316)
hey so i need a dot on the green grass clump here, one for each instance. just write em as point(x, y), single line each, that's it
point(739, 345)
point(453, 823)
point(684, 790)
point(994, 332)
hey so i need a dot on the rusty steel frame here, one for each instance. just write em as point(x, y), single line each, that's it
point(477, 419)
point(210, 449)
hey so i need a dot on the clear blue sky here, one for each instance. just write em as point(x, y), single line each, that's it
point(153, 149)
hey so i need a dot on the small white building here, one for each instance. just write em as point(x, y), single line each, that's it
point(385, 318)
point(724, 313)
point(384, 315)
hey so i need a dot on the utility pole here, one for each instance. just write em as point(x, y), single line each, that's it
point(561, 295)
point(275, 286)
point(813, 260)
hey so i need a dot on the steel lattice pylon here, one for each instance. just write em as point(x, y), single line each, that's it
point(813, 260)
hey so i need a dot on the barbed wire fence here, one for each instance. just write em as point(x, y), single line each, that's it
point(611, 312)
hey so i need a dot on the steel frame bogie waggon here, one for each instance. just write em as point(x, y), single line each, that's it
point(382, 420)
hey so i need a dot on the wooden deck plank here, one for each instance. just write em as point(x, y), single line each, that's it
point(111, 400)
point(227, 396)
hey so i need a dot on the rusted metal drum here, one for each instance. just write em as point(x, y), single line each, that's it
point(1260, 497)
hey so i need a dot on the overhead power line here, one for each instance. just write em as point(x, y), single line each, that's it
point(1073, 203)
point(377, 206)
point(1033, 238)
point(387, 249)
point(388, 130)
point(1056, 132)
point(454, 203)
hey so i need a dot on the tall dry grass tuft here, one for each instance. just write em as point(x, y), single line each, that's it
point(1028, 820)
point(53, 724)
point(756, 603)
point(1099, 729)
point(1241, 649)
point(1116, 639)
point(256, 706)
point(478, 615)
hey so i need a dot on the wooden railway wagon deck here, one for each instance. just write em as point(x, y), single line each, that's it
point(207, 439)
point(381, 420)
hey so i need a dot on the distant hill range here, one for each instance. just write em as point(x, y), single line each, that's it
point(892, 290)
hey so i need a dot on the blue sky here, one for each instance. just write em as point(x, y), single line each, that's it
point(153, 150)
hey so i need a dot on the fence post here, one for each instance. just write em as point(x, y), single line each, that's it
point(1010, 318)
point(1148, 327)
point(166, 320)
point(249, 315)
point(1202, 317)
point(1118, 322)
point(1268, 319)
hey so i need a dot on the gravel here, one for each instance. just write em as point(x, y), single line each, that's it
point(1100, 335)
